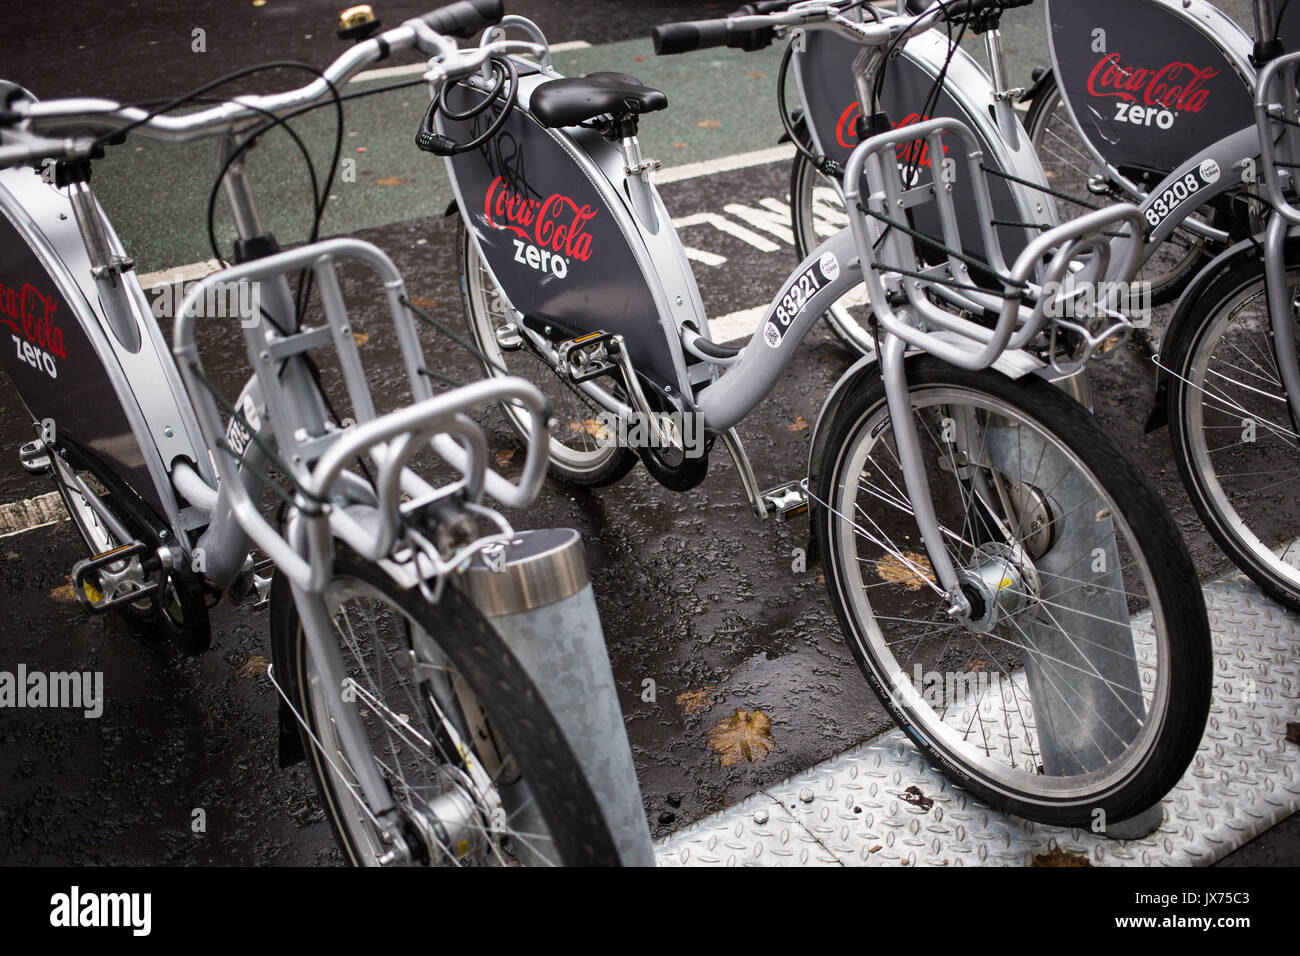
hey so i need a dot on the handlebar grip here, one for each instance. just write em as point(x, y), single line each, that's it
point(673, 38)
point(465, 18)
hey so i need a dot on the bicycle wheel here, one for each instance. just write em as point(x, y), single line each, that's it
point(817, 213)
point(473, 757)
point(1076, 690)
point(581, 451)
point(1235, 440)
point(1070, 168)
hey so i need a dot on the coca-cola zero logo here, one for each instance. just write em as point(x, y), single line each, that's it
point(1149, 96)
point(38, 341)
point(914, 152)
point(551, 231)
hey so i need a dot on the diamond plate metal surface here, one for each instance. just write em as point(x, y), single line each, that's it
point(856, 809)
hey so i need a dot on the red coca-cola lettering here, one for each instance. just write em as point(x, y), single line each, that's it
point(847, 125)
point(1175, 86)
point(31, 315)
point(556, 223)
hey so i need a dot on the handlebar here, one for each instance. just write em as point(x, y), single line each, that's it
point(755, 25)
point(42, 128)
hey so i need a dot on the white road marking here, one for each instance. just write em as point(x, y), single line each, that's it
point(723, 224)
point(741, 324)
point(19, 516)
point(414, 69)
point(724, 164)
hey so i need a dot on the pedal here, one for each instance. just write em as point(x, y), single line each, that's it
point(587, 357)
point(93, 594)
point(252, 586)
point(34, 457)
point(509, 338)
point(786, 500)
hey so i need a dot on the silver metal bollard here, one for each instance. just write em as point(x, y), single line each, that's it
point(537, 594)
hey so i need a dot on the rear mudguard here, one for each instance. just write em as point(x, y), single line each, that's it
point(1015, 365)
point(1230, 258)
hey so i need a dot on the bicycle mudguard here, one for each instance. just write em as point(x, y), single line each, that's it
point(67, 365)
point(823, 68)
point(554, 226)
point(1013, 364)
point(1150, 82)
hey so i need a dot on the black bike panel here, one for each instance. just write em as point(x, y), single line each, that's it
point(553, 243)
point(56, 371)
point(833, 108)
point(1146, 87)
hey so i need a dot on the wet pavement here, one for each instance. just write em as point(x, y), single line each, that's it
point(696, 594)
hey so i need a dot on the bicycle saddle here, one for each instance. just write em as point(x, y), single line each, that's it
point(575, 100)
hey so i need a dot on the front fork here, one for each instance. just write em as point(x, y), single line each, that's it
point(1280, 310)
point(894, 374)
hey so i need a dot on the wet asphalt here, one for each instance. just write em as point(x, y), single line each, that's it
point(695, 593)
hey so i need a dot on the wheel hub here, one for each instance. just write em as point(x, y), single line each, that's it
point(995, 585)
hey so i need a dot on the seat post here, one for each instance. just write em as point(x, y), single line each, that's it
point(638, 170)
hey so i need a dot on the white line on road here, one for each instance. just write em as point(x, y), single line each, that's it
point(411, 69)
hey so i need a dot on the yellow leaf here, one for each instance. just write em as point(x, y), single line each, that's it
point(361, 338)
point(742, 736)
point(596, 429)
point(912, 574)
point(679, 145)
point(755, 75)
point(503, 456)
point(709, 124)
point(255, 666)
point(798, 425)
point(64, 594)
point(423, 302)
point(390, 181)
point(696, 701)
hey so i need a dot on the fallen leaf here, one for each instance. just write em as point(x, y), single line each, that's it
point(1059, 857)
point(755, 75)
point(891, 568)
point(255, 666)
point(390, 181)
point(596, 429)
point(696, 701)
point(798, 425)
point(742, 737)
point(423, 302)
point(639, 59)
point(709, 124)
point(876, 849)
point(361, 338)
point(503, 456)
point(679, 145)
point(916, 798)
point(64, 593)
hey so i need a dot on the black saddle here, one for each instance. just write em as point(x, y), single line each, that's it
point(575, 100)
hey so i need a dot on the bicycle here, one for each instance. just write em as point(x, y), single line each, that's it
point(1101, 139)
point(961, 557)
point(930, 75)
point(1190, 253)
point(429, 737)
